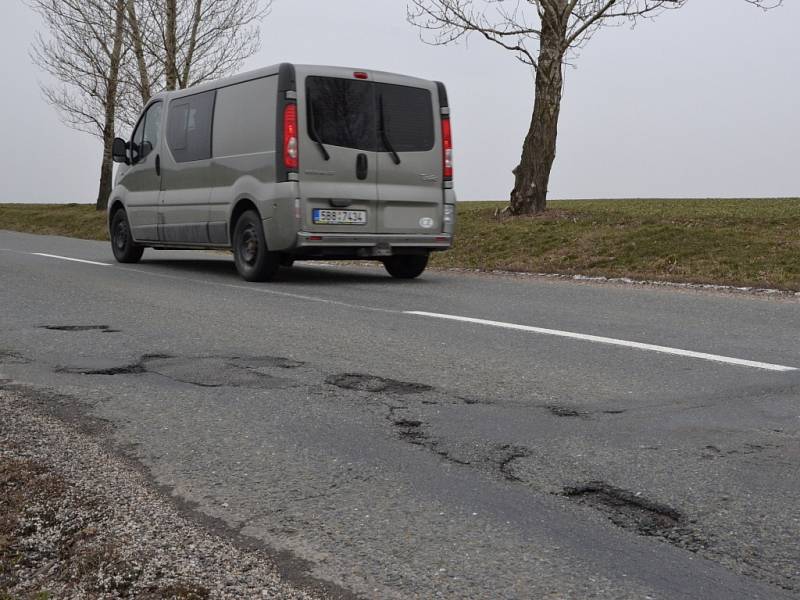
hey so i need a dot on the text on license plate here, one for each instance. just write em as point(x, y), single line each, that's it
point(326, 216)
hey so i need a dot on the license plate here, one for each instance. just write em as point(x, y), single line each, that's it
point(326, 216)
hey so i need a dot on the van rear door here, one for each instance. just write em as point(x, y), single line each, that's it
point(338, 158)
point(410, 155)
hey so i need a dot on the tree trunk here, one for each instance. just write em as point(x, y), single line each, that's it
point(138, 50)
point(197, 16)
point(532, 175)
point(171, 45)
point(109, 125)
point(106, 175)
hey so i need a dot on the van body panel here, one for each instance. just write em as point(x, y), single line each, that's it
point(140, 183)
point(184, 210)
point(286, 217)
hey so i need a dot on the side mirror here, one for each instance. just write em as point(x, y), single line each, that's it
point(119, 151)
point(145, 149)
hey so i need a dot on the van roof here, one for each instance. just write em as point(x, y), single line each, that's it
point(274, 70)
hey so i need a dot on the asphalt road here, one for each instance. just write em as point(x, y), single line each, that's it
point(569, 441)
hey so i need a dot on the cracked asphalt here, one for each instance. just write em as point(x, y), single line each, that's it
point(397, 456)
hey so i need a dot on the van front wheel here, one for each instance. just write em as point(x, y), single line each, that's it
point(122, 244)
point(253, 260)
point(406, 266)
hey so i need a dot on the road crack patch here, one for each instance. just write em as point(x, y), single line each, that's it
point(371, 383)
point(131, 369)
point(560, 410)
point(634, 512)
point(102, 328)
point(202, 371)
point(8, 357)
point(505, 455)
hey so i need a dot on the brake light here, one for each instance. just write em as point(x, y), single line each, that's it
point(290, 149)
point(447, 149)
point(360, 75)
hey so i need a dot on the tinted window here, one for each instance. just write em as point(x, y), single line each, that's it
point(244, 117)
point(357, 114)
point(407, 117)
point(152, 127)
point(145, 137)
point(341, 112)
point(189, 127)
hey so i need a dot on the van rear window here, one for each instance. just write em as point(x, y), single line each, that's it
point(341, 112)
point(350, 113)
point(408, 117)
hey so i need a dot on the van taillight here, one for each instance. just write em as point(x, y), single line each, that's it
point(447, 149)
point(290, 150)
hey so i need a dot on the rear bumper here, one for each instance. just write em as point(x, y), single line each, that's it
point(371, 244)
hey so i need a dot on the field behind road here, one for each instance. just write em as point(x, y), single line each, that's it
point(751, 242)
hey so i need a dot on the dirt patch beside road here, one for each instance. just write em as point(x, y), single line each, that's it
point(79, 522)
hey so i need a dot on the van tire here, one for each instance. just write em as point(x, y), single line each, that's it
point(253, 260)
point(406, 266)
point(122, 244)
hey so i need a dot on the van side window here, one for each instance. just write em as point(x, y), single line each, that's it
point(145, 137)
point(244, 117)
point(341, 112)
point(189, 127)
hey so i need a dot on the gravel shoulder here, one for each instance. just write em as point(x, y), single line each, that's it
point(78, 521)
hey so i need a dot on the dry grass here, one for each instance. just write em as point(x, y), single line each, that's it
point(732, 242)
point(71, 220)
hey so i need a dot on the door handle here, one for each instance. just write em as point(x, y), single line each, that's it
point(362, 166)
point(158, 165)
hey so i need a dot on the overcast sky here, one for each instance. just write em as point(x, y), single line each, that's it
point(702, 102)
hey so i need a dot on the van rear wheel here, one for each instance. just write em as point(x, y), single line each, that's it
point(253, 259)
point(122, 244)
point(406, 266)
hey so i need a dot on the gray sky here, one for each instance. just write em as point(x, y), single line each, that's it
point(701, 102)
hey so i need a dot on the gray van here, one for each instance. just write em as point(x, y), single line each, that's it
point(290, 162)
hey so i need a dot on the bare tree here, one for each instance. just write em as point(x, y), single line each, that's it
point(180, 43)
point(543, 34)
point(83, 53)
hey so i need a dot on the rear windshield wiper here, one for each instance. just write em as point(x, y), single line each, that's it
point(317, 139)
point(385, 137)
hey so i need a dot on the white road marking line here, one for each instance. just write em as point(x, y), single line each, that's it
point(80, 260)
point(606, 340)
point(540, 330)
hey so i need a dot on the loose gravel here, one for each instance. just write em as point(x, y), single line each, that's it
point(79, 522)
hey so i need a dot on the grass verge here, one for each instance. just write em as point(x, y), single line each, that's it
point(749, 242)
point(728, 242)
point(72, 220)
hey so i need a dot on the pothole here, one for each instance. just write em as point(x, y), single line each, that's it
point(564, 411)
point(8, 357)
point(410, 430)
point(133, 369)
point(259, 362)
point(103, 328)
point(371, 383)
point(628, 510)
